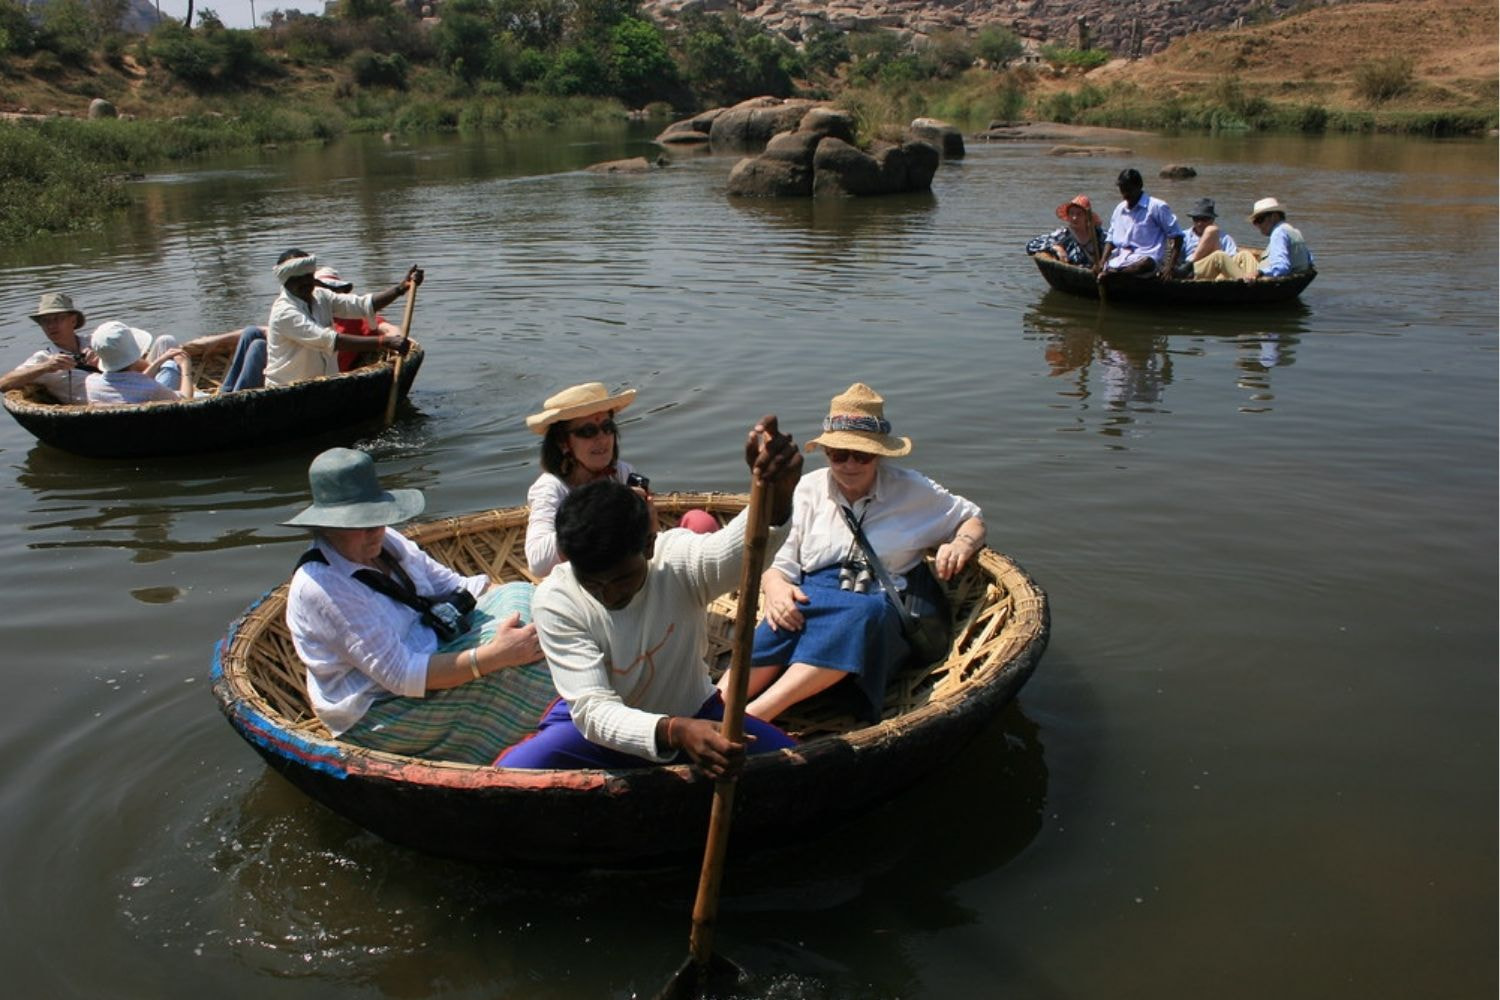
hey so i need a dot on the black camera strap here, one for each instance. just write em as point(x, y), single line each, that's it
point(401, 589)
point(908, 620)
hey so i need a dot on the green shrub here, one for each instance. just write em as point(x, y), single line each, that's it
point(1084, 59)
point(17, 33)
point(374, 69)
point(998, 46)
point(1381, 80)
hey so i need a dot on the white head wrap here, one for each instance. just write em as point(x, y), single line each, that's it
point(294, 266)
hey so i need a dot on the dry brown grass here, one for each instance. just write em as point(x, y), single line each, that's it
point(1317, 56)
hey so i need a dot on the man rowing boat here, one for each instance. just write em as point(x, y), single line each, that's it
point(302, 342)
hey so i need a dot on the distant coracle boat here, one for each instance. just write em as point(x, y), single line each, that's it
point(1115, 287)
point(635, 816)
point(211, 421)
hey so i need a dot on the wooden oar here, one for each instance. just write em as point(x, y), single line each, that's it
point(702, 964)
point(390, 401)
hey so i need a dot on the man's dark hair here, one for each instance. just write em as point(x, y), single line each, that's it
point(1130, 176)
point(287, 255)
point(601, 524)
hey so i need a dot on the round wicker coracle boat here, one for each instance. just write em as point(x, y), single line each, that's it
point(212, 421)
point(1081, 281)
point(642, 815)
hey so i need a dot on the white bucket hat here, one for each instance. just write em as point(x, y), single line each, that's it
point(119, 346)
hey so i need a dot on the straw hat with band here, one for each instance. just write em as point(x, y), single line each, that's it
point(347, 494)
point(578, 401)
point(53, 303)
point(1265, 207)
point(856, 422)
point(1082, 201)
point(119, 346)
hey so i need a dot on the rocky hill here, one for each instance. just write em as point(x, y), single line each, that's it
point(1131, 28)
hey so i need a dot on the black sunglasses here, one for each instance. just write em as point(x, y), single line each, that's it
point(593, 430)
point(837, 456)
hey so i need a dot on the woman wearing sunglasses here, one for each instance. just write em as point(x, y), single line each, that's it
point(827, 615)
point(580, 443)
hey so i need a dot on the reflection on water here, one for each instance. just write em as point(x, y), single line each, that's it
point(305, 893)
point(138, 821)
point(1121, 361)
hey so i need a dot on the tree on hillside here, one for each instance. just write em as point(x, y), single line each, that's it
point(998, 46)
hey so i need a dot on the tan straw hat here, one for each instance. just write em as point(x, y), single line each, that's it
point(578, 401)
point(1266, 206)
point(856, 421)
point(53, 303)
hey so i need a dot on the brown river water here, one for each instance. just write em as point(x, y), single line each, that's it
point(1258, 758)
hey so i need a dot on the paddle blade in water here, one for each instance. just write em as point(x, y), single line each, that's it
point(693, 981)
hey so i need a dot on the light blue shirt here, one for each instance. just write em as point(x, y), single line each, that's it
point(1144, 229)
point(1286, 253)
point(1190, 241)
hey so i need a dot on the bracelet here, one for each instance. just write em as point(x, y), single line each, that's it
point(671, 743)
point(474, 662)
point(972, 540)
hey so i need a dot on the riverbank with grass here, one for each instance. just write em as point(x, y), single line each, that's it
point(1425, 67)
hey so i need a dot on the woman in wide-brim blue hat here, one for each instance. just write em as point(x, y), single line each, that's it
point(366, 608)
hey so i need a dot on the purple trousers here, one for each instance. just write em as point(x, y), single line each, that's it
point(557, 743)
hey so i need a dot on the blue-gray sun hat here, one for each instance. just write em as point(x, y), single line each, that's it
point(347, 494)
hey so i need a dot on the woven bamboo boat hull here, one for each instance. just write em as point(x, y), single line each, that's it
point(647, 815)
point(1080, 281)
point(207, 422)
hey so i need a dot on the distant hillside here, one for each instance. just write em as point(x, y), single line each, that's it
point(1449, 48)
point(1131, 28)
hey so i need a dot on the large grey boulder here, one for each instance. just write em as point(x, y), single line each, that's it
point(829, 121)
point(758, 177)
point(100, 108)
point(948, 139)
point(750, 125)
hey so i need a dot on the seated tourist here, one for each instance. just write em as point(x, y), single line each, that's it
point(1205, 237)
point(403, 654)
point(828, 615)
point(1078, 242)
point(623, 621)
point(1144, 237)
point(1286, 251)
point(124, 375)
point(580, 445)
point(60, 367)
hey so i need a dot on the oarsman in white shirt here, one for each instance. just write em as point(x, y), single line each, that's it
point(301, 342)
point(623, 623)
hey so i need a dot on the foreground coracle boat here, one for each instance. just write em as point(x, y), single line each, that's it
point(649, 814)
point(1081, 281)
point(210, 422)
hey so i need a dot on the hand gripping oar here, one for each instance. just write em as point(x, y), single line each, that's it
point(702, 964)
point(390, 401)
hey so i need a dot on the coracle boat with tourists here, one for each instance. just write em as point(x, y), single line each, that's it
point(1115, 287)
point(210, 420)
point(649, 815)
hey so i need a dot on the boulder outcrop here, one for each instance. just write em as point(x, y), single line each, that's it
point(1133, 29)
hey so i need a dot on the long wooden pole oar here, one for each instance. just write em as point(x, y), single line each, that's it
point(702, 964)
point(390, 401)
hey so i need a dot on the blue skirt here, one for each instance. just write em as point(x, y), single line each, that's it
point(859, 634)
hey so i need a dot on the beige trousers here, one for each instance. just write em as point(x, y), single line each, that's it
point(1219, 266)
